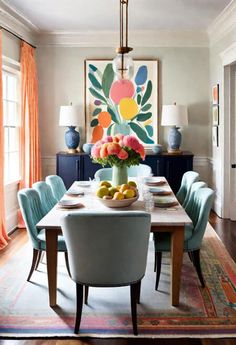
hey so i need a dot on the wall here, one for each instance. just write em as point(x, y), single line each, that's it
point(184, 78)
point(220, 172)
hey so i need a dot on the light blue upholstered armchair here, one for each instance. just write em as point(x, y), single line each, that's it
point(32, 213)
point(57, 185)
point(198, 209)
point(107, 250)
point(133, 171)
point(187, 180)
point(46, 197)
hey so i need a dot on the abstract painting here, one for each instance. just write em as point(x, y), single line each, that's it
point(121, 106)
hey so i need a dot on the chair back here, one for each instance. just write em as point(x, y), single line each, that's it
point(46, 197)
point(188, 203)
point(32, 212)
point(107, 249)
point(133, 171)
point(202, 203)
point(104, 174)
point(57, 185)
point(187, 180)
point(143, 170)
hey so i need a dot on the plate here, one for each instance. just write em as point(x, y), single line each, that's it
point(64, 203)
point(165, 202)
point(118, 203)
point(159, 191)
point(74, 192)
point(83, 184)
point(155, 182)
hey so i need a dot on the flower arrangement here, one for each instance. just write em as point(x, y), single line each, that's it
point(119, 150)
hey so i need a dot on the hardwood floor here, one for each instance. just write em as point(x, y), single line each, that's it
point(226, 230)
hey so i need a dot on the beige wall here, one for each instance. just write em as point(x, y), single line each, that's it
point(184, 78)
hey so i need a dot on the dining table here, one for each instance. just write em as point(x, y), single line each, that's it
point(170, 219)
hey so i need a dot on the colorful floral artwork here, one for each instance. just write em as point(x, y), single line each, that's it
point(121, 106)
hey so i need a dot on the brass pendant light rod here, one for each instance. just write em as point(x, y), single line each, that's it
point(123, 49)
point(123, 64)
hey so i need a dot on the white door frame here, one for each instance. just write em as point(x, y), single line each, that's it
point(228, 57)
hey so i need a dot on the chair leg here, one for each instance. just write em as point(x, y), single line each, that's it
point(155, 262)
point(158, 258)
point(38, 259)
point(33, 265)
point(190, 256)
point(196, 261)
point(79, 306)
point(138, 292)
point(67, 264)
point(86, 291)
point(134, 288)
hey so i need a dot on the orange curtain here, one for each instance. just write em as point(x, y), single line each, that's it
point(3, 233)
point(29, 137)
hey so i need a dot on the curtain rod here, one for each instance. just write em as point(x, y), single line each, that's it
point(12, 33)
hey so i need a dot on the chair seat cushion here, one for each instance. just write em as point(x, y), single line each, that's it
point(61, 246)
point(162, 240)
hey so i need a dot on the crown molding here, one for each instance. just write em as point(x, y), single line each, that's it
point(17, 24)
point(228, 56)
point(150, 38)
point(224, 24)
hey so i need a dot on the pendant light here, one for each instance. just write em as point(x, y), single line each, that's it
point(123, 65)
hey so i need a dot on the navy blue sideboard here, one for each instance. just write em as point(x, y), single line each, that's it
point(79, 166)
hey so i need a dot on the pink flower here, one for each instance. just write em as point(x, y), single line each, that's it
point(103, 151)
point(95, 152)
point(141, 151)
point(123, 154)
point(113, 148)
point(108, 139)
point(131, 141)
point(99, 143)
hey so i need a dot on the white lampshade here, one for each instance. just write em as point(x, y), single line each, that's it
point(174, 115)
point(69, 115)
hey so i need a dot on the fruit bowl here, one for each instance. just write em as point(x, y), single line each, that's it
point(118, 203)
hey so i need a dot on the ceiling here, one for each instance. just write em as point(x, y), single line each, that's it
point(103, 15)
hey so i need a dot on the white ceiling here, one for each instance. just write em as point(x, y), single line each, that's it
point(86, 15)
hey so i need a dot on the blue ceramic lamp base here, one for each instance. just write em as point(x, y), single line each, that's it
point(174, 141)
point(72, 139)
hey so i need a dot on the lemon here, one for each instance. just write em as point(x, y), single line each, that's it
point(123, 187)
point(118, 196)
point(132, 183)
point(105, 183)
point(112, 191)
point(102, 191)
point(129, 193)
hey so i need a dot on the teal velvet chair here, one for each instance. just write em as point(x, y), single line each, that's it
point(195, 186)
point(198, 209)
point(46, 197)
point(187, 180)
point(107, 250)
point(57, 185)
point(133, 171)
point(32, 213)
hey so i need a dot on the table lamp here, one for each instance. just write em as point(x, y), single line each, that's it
point(175, 116)
point(69, 118)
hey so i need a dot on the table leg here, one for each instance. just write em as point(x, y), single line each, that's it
point(177, 242)
point(51, 252)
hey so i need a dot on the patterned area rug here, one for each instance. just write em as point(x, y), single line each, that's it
point(208, 312)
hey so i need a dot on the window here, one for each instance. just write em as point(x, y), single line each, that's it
point(11, 122)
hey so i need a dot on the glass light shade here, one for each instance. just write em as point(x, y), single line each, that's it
point(128, 68)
